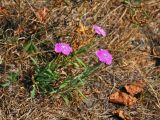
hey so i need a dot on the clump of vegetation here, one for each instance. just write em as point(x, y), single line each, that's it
point(53, 74)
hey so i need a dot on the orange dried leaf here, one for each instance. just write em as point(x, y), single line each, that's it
point(19, 30)
point(121, 114)
point(3, 11)
point(136, 88)
point(122, 98)
point(82, 29)
point(42, 14)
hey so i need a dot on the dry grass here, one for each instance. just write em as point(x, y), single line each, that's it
point(133, 39)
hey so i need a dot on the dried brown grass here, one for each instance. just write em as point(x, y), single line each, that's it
point(132, 35)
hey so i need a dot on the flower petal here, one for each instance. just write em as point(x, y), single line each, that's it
point(104, 56)
point(99, 30)
point(63, 48)
point(57, 48)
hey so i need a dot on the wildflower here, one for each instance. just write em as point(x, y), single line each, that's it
point(63, 48)
point(99, 30)
point(104, 56)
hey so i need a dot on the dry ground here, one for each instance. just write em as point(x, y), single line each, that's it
point(133, 39)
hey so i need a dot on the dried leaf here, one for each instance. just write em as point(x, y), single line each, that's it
point(121, 114)
point(82, 29)
point(136, 88)
point(42, 14)
point(122, 98)
point(156, 51)
point(3, 11)
point(19, 30)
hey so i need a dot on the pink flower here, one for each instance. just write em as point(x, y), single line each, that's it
point(63, 48)
point(99, 30)
point(104, 56)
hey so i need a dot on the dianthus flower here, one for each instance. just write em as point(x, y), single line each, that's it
point(99, 30)
point(104, 56)
point(63, 48)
